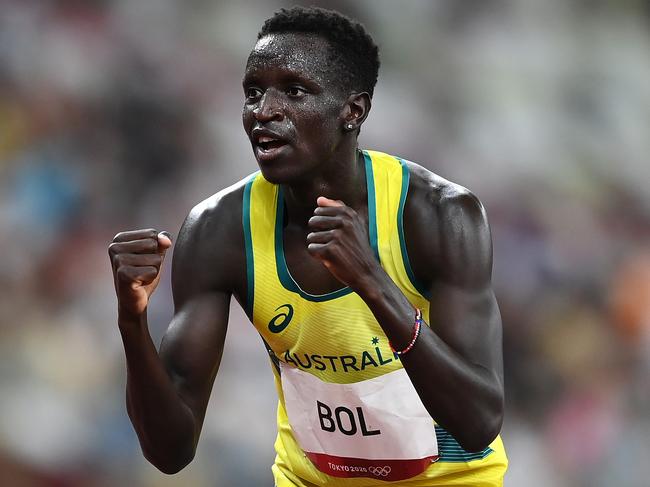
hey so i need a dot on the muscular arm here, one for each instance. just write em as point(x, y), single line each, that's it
point(168, 392)
point(456, 364)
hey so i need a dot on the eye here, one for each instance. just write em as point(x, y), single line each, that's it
point(296, 91)
point(252, 93)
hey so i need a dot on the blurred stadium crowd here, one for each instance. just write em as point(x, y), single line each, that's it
point(118, 114)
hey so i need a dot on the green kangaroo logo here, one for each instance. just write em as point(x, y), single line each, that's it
point(285, 316)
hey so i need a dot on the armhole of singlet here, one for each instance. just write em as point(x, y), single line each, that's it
point(248, 245)
point(372, 205)
point(417, 284)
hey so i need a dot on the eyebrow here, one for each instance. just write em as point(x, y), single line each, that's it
point(248, 79)
point(287, 76)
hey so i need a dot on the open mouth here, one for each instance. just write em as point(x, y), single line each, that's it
point(269, 143)
point(269, 148)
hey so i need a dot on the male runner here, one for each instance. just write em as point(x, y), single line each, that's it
point(367, 276)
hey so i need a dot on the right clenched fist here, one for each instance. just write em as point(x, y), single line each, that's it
point(136, 258)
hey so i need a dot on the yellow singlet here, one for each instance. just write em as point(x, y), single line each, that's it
point(333, 364)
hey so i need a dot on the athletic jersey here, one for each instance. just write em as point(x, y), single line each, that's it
point(348, 415)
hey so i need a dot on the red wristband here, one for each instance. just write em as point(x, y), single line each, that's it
point(416, 334)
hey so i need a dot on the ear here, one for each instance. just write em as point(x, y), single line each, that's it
point(355, 111)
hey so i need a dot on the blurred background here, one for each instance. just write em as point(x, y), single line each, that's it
point(120, 114)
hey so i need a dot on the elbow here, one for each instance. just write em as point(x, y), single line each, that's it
point(170, 465)
point(481, 435)
point(169, 448)
point(479, 440)
point(171, 469)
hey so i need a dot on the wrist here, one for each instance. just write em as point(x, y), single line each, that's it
point(128, 320)
point(372, 286)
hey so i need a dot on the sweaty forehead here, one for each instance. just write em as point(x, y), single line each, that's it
point(306, 53)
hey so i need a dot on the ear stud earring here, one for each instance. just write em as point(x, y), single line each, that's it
point(349, 126)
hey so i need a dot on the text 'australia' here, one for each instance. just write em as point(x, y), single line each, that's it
point(339, 363)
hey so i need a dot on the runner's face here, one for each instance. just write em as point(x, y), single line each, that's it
point(292, 110)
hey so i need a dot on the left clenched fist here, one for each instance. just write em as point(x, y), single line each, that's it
point(339, 239)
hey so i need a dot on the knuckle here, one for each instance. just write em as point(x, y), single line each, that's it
point(118, 260)
point(124, 274)
point(113, 249)
point(144, 233)
point(315, 248)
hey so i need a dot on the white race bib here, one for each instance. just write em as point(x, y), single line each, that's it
point(376, 428)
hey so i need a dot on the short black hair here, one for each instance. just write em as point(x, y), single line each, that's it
point(353, 54)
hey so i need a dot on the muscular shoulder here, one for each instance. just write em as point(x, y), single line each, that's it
point(215, 215)
point(446, 229)
point(209, 252)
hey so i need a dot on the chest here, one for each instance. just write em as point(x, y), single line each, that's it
point(336, 338)
point(308, 272)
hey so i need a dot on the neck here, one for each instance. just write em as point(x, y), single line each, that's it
point(342, 178)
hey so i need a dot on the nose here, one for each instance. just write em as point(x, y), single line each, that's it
point(268, 108)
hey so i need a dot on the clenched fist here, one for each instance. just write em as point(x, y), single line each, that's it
point(339, 239)
point(136, 258)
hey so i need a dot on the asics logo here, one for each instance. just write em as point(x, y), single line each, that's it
point(280, 321)
point(380, 471)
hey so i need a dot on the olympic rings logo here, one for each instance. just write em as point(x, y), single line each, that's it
point(380, 471)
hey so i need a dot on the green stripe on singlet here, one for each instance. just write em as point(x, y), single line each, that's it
point(372, 205)
point(417, 284)
point(248, 244)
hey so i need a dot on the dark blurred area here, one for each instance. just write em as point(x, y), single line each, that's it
point(120, 114)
